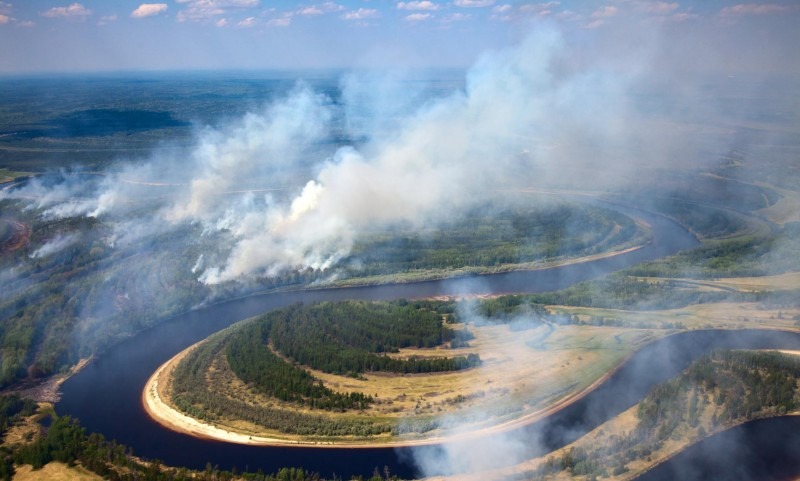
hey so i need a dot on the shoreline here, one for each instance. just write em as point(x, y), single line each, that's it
point(167, 416)
point(459, 273)
point(48, 389)
point(164, 414)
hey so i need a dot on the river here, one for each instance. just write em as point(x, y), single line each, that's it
point(106, 395)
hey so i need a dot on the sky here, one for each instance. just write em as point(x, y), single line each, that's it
point(128, 35)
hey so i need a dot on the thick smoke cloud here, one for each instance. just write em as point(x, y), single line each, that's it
point(445, 157)
point(285, 192)
point(288, 200)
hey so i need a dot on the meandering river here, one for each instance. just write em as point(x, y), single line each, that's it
point(106, 395)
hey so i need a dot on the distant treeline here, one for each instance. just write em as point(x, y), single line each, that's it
point(720, 390)
point(494, 237)
point(756, 255)
point(622, 291)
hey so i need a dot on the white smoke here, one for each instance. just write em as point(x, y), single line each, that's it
point(473, 454)
point(471, 448)
point(270, 144)
point(54, 245)
point(275, 185)
point(449, 155)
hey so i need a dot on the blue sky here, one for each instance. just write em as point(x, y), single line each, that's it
point(102, 35)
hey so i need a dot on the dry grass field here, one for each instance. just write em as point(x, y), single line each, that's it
point(524, 372)
point(54, 472)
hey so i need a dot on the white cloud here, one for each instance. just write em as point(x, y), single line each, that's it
point(320, 9)
point(605, 12)
point(25, 23)
point(312, 10)
point(540, 9)
point(754, 9)
point(4, 19)
point(683, 17)
point(473, 3)
point(660, 8)
point(222, 3)
point(247, 22)
point(418, 17)
point(595, 23)
point(332, 7)
point(106, 20)
point(222, 22)
point(567, 15)
point(280, 22)
point(74, 11)
point(502, 8)
point(204, 10)
point(149, 10)
point(361, 14)
point(418, 5)
point(456, 17)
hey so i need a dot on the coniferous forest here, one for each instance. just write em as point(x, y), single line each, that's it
point(720, 390)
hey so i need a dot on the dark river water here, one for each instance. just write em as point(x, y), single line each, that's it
point(106, 395)
point(766, 450)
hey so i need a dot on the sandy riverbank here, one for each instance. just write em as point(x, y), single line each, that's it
point(154, 400)
point(156, 405)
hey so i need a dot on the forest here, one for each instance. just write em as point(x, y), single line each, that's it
point(349, 338)
point(734, 386)
point(495, 236)
point(67, 442)
point(254, 363)
point(344, 338)
point(77, 288)
point(353, 337)
point(192, 395)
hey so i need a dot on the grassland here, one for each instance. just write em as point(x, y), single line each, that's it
point(54, 472)
point(528, 367)
point(524, 372)
point(80, 301)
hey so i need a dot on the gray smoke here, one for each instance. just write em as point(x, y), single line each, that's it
point(289, 202)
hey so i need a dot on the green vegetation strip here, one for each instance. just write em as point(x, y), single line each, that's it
point(487, 239)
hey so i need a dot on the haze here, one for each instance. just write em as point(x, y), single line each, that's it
point(92, 35)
